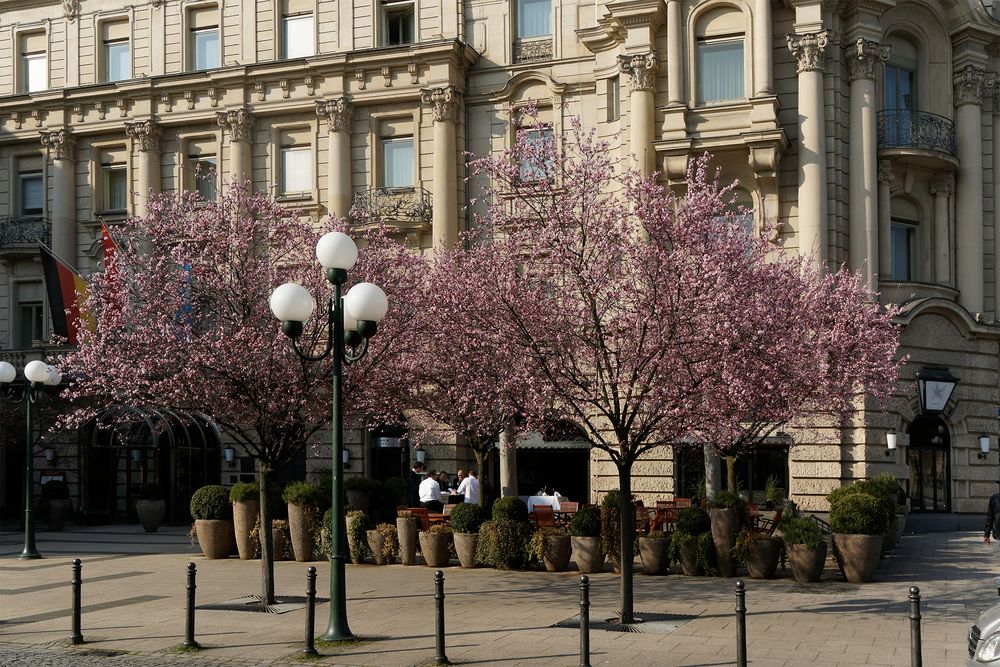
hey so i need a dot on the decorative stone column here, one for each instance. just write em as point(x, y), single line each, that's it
point(641, 70)
point(809, 50)
point(996, 197)
point(941, 189)
point(763, 68)
point(675, 54)
point(145, 136)
point(61, 145)
point(239, 123)
point(508, 465)
point(969, 206)
point(886, 179)
point(444, 103)
point(338, 114)
point(863, 58)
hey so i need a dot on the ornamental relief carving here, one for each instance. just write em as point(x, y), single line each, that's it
point(239, 122)
point(863, 58)
point(809, 50)
point(969, 83)
point(885, 173)
point(641, 70)
point(145, 134)
point(337, 112)
point(444, 102)
point(61, 144)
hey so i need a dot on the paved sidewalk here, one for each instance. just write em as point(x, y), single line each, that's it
point(133, 601)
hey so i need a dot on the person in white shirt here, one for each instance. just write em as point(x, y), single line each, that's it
point(470, 488)
point(430, 494)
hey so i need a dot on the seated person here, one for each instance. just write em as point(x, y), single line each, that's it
point(444, 479)
point(430, 494)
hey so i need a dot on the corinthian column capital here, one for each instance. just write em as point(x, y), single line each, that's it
point(641, 70)
point(61, 144)
point(239, 123)
point(885, 173)
point(337, 113)
point(969, 83)
point(809, 50)
point(145, 134)
point(863, 58)
point(444, 102)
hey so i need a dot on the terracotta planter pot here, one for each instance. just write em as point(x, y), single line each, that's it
point(150, 513)
point(215, 537)
point(556, 552)
point(689, 559)
point(59, 510)
point(357, 500)
point(726, 524)
point(244, 518)
point(407, 530)
point(653, 551)
point(301, 533)
point(465, 546)
point(762, 561)
point(587, 554)
point(807, 564)
point(278, 543)
point(376, 543)
point(434, 547)
point(858, 555)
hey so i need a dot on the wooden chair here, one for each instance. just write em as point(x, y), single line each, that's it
point(663, 519)
point(544, 516)
point(664, 504)
point(766, 526)
point(422, 517)
point(448, 508)
point(682, 502)
point(569, 507)
point(641, 516)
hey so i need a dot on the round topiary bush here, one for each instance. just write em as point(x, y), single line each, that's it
point(243, 491)
point(693, 521)
point(859, 514)
point(503, 543)
point(800, 530)
point(301, 493)
point(586, 522)
point(510, 508)
point(211, 502)
point(467, 517)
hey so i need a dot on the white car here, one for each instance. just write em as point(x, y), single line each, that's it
point(984, 639)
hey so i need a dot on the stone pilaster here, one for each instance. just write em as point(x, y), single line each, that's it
point(942, 188)
point(969, 82)
point(338, 114)
point(239, 125)
point(61, 145)
point(641, 70)
point(886, 179)
point(445, 104)
point(145, 136)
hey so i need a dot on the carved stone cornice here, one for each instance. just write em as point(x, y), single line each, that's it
point(641, 70)
point(145, 134)
point(885, 173)
point(809, 50)
point(60, 143)
point(969, 83)
point(337, 112)
point(238, 122)
point(444, 102)
point(863, 58)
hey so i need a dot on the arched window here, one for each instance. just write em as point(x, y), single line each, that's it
point(720, 45)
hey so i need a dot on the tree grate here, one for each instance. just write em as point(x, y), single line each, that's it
point(283, 604)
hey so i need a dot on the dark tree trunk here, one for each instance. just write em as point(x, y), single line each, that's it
point(626, 510)
point(266, 540)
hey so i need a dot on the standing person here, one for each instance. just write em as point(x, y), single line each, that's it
point(430, 494)
point(470, 488)
point(413, 484)
point(992, 518)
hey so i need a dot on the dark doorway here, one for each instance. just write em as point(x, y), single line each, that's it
point(929, 459)
point(390, 453)
point(755, 468)
point(563, 469)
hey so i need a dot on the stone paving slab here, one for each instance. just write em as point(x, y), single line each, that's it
point(134, 599)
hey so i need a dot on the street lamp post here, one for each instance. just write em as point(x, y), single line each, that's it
point(350, 322)
point(37, 374)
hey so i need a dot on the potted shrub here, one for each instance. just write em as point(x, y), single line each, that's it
point(858, 521)
point(551, 547)
point(773, 494)
point(383, 543)
point(55, 494)
point(151, 507)
point(359, 490)
point(805, 547)
point(406, 531)
point(760, 553)
point(435, 545)
point(611, 529)
point(212, 513)
point(302, 499)
point(503, 541)
point(691, 544)
point(465, 522)
point(357, 535)
point(728, 511)
point(585, 531)
point(654, 549)
point(245, 497)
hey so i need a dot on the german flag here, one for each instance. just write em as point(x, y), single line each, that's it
point(67, 292)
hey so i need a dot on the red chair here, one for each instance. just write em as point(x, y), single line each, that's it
point(682, 502)
point(422, 517)
point(544, 516)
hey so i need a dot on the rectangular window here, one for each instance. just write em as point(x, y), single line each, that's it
point(614, 99)
point(534, 18)
point(297, 36)
point(114, 181)
point(537, 162)
point(204, 38)
point(29, 314)
point(903, 244)
point(720, 70)
point(397, 162)
point(117, 54)
point(34, 68)
point(203, 174)
point(31, 191)
point(397, 23)
point(296, 170)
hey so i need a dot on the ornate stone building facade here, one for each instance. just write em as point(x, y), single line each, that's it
point(866, 128)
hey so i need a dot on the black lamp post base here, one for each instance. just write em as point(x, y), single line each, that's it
point(338, 635)
point(29, 555)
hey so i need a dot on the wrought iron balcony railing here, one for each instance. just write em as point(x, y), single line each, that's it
point(903, 128)
point(402, 207)
point(24, 231)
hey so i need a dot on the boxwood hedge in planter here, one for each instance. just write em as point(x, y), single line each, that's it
point(467, 518)
point(858, 521)
point(213, 514)
point(510, 508)
point(503, 543)
point(586, 522)
point(211, 503)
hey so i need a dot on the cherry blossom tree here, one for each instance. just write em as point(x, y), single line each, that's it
point(654, 303)
point(183, 323)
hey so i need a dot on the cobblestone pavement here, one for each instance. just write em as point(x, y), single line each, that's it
point(133, 603)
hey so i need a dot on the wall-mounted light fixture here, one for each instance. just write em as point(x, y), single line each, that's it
point(421, 454)
point(346, 458)
point(230, 455)
point(890, 443)
point(50, 456)
point(984, 446)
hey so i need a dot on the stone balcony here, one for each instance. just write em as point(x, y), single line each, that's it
point(405, 210)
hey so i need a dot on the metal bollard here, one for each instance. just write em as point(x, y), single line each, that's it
point(441, 658)
point(584, 621)
point(310, 648)
point(916, 659)
point(77, 636)
point(189, 628)
point(741, 624)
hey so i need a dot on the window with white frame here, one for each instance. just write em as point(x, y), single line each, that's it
point(537, 160)
point(397, 22)
point(30, 186)
point(113, 181)
point(295, 166)
point(202, 168)
point(29, 318)
point(34, 70)
point(719, 57)
point(203, 41)
point(116, 55)
point(534, 18)
point(297, 31)
point(397, 162)
point(614, 100)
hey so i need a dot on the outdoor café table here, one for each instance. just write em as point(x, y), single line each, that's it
point(551, 501)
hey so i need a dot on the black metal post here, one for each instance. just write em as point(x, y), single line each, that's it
point(77, 636)
point(29, 551)
point(584, 621)
point(916, 659)
point(310, 648)
point(441, 658)
point(189, 626)
point(741, 624)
